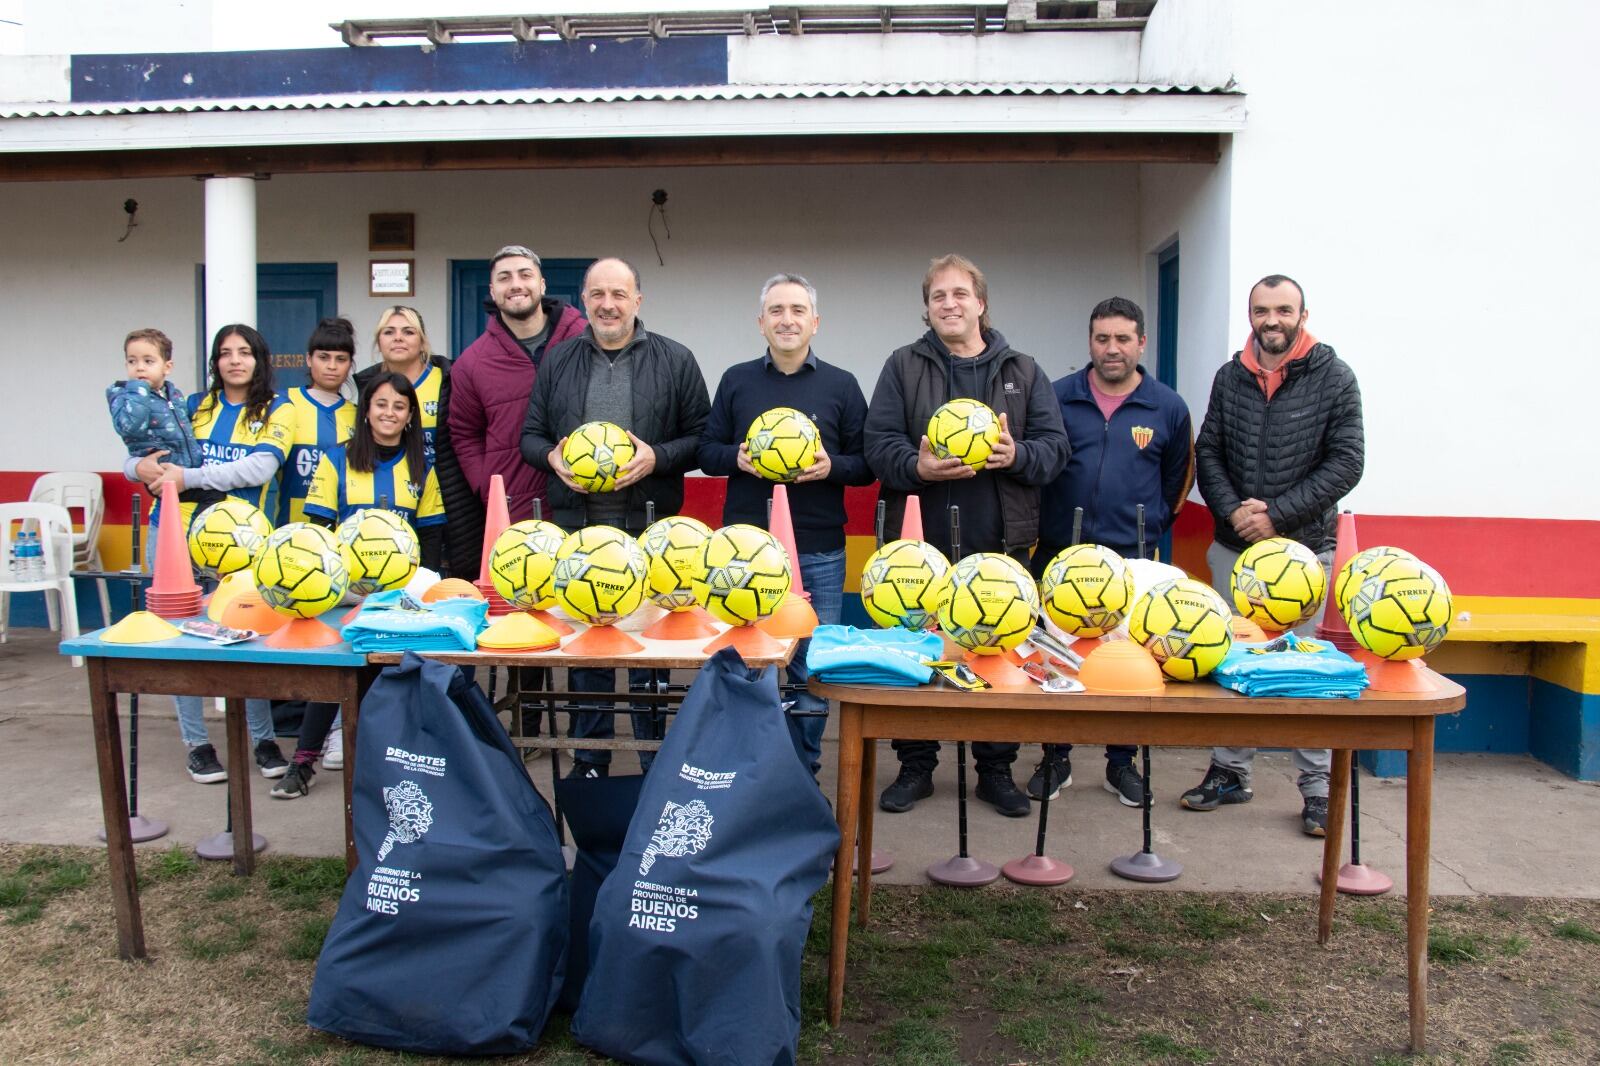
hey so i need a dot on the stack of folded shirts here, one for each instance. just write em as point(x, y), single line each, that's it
point(1292, 666)
point(850, 656)
point(390, 621)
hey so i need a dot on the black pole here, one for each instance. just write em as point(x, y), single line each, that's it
point(961, 796)
point(538, 509)
point(1138, 513)
point(1147, 799)
point(883, 511)
point(1077, 525)
point(1044, 806)
point(133, 697)
point(1355, 811)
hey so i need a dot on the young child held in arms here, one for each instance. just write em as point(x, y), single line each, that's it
point(148, 410)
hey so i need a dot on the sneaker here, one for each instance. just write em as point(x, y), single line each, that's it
point(270, 759)
point(1058, 768)
point(1314, 816)
point(1220, 786)
point(1124, 782)
point(908, 788)
point(204, 767)
point(333, 751)
point(996, 787)
point(583, 770)
point(295, 783)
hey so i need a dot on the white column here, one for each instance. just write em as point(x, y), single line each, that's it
point(230, 253)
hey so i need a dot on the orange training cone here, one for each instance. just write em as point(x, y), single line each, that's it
point(911, 521)
point(795, 616)
point(602, 642)
point(692, 624)
point(304, 633)
point(496, 520)
point(173, 574)
point(751, 642)
point(1333, 627)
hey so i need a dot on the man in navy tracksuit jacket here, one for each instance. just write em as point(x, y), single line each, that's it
point(1132, 444)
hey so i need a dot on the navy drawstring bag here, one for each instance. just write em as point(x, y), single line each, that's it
point(697, 935)
point(451, 935)
point(598, 810)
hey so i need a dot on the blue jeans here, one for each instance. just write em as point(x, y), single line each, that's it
point(823, 576)
point(600, 725)
point(191, 709)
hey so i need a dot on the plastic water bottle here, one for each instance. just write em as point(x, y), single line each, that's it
point(33, 569)
point(14, 562)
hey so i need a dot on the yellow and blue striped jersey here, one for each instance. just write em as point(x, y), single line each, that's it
point(318, 426)
point(427, 387)
point(337, 491)
point(225, 435)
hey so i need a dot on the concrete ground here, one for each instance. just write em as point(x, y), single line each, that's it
point(1503, 825)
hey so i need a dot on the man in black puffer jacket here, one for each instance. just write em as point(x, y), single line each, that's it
point(1281, 444)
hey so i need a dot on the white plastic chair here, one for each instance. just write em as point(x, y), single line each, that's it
point(55, 537)
point(83, 491)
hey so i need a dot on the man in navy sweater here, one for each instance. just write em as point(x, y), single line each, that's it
point(1132, 444)
point(791, 375)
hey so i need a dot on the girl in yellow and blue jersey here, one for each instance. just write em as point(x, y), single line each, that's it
point(244, 431)
point(322, 416)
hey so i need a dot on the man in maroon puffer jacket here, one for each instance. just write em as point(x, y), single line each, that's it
point(493, 378)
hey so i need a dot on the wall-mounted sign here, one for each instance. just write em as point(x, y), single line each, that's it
point(391, 233)
point(391, 277)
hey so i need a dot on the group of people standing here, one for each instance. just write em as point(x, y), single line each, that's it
point(1280, 445)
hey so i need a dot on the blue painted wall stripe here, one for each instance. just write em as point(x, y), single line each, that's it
point(403, 69)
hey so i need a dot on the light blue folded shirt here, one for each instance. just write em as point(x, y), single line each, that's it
point(1291, 666)
point(851, 656)
point(385, 625)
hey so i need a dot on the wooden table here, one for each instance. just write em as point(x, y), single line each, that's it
point(1185, 715)
point(188, 666)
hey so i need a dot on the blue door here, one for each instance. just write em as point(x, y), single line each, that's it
point(469, 291)
point(291, 298)
point(1167, 336)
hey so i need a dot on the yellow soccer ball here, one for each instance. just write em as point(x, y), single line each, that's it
point(1185, 625)
point(1400, 610)
point(903, 584)
point(1348, 579)
point(744, 575)
point(1086, 590)
point(595, 453)
point(381, 551)
point(964, 429)
point(782, 443)
point(599, 575)
point(1278, 583)
point(522, 564)
point(990, 604)
point(672, 551)
point(301, 572)
point(227, 537)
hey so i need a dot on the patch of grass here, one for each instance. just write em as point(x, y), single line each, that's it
point(14, 890)
point(223, 891)
point(1445, 946)
point(174, 863)
point(1508, 1052)
point(1572, 929)
point(1149, 950)
point(273, 1052)
point(68, 876)
point(1165, 1047)
point(911, 1042)
point(304, 884)
point(1514, 945)
point(1261, 1005)
point(1213, 921)
point(230, 941)
point(1377, 919)
point(28, 912)
point(39, 864)
point(306, 943)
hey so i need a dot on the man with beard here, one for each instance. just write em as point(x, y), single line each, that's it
point(962, 355)
point(1132, 445)
point(1281, 444)
point(493, 378)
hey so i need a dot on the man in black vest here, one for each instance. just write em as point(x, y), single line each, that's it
point(962, 355)
point(1281, 445)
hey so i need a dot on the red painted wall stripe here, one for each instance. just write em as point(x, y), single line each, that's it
point(16, 484)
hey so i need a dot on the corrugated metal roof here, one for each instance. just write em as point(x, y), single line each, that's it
point(615, 95)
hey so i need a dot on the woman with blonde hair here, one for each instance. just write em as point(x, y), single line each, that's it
point(401, 344)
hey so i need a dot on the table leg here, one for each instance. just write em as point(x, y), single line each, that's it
point(114, 804)
point(869, 780)
point(349, 711)
point(1333, 843)
point(850, 759)
point(1419, 832)
point(240, 760)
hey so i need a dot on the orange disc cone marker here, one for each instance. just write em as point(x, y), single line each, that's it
point(749, 641)
point(304, 633)
point(249, 611)
point(1393, 675)
point(794, 618)
point(173, 574)
point(560, 626)
point(1333, 627)
point(911, 521)
point(602, 641)
point(693, 624)
point(1001, 671)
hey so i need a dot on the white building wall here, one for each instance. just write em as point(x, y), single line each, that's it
point(1053, 240)
point(1426, 170)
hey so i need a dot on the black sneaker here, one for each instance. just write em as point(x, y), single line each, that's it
point(996, 787)
point(583, 770)
point(1314, 816)
point(1220, 786)
point(204, 767)
point(1124, 782)
point(295, 783)
point(908, 788)
point(1057, 769)
point(270, 759)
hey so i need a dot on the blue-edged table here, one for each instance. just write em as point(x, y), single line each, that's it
point(189, 666)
